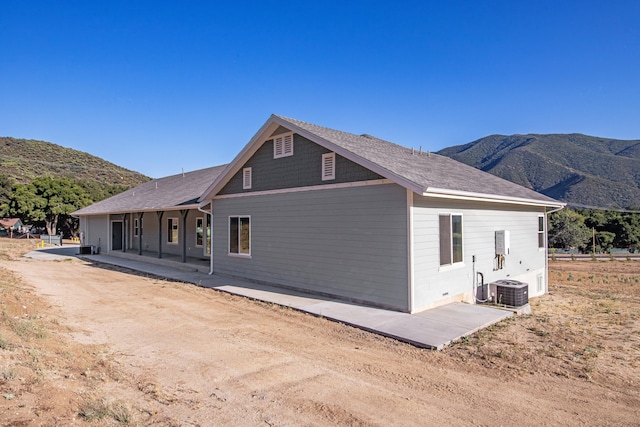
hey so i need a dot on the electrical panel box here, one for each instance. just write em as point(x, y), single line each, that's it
point(503, 242)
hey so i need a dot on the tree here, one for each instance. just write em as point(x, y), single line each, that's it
point(5, 195)
point(48, 199)
point(567, 230)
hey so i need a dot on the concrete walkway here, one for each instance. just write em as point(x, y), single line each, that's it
point(432, 329)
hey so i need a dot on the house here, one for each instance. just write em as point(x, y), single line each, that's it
point(8, 226)
point(343, 215)
point(159, 217)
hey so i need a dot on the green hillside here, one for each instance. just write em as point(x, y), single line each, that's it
point(23, 160)
point(578, 169)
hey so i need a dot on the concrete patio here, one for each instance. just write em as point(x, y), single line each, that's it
point(434, 329)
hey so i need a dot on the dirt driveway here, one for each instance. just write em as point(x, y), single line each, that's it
point(175, 354)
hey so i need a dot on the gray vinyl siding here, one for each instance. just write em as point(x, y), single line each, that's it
point(96, 232)
point(150, 233)
point(479, 224)
point(303, 169)
point(346, 242)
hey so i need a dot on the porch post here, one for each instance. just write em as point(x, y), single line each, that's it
point(125, 237)
point(160, 215)
point(140, 232)
point(183, 214)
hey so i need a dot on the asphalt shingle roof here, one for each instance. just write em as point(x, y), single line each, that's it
point(427, 171)
point(159, 194)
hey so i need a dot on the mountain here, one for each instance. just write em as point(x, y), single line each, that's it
point(582, 170)
point(23, 160)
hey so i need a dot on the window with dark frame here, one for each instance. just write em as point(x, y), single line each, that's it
point(199, 232)
point(239, 235)
point(541, 239)
point(172, 230)
point(136, 227)
point(450, 227)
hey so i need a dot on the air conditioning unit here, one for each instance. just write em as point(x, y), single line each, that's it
point(509, 292)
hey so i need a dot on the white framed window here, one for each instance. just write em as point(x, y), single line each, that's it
point(136, 227)
point(283, 145)
point(172, 230)
point(240, 235)
point(199, 232)
point(328, 166)
point(450, 226)
point(246, 179)
point(541, 236)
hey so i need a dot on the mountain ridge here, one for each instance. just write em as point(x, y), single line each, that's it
point(582, 170)
point(23, 160)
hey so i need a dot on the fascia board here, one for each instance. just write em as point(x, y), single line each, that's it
point(492, 198)
point(233, 167)
point(145, 210)
point(403, 182)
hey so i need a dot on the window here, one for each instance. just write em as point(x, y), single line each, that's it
point(136, 227)
point(328, 166)
point(199, 232)
point(239, 235)
point(246, 178)
point(172, 230)
point(283, 145)
point(541, 239)
point(450, 239)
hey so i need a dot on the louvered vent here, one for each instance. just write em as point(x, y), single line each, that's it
point(328, 166)
point(283, 145)
point(246, 178)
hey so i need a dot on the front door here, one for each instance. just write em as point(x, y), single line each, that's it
point(116, 236)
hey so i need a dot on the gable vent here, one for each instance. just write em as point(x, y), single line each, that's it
point(328, 166)
point(246, 178)
point(283, 145)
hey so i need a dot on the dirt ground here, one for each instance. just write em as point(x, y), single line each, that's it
point(89, 344)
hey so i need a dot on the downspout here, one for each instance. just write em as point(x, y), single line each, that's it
point(210, 213)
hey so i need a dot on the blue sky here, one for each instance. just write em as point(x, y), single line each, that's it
point(160, 86)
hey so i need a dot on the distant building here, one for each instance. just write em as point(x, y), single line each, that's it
point(8, 226)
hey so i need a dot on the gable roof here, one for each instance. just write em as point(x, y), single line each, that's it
point(426, 174)
point(169, 193)
point(10, 222)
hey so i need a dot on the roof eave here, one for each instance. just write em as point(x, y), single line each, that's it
point(249, 149)
point(152, 209)
point(490, 198)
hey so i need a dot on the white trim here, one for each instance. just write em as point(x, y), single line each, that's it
point(411, 262)
point(328, 166)
point(310, 188)
point(246, 178)
point(481, 197)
